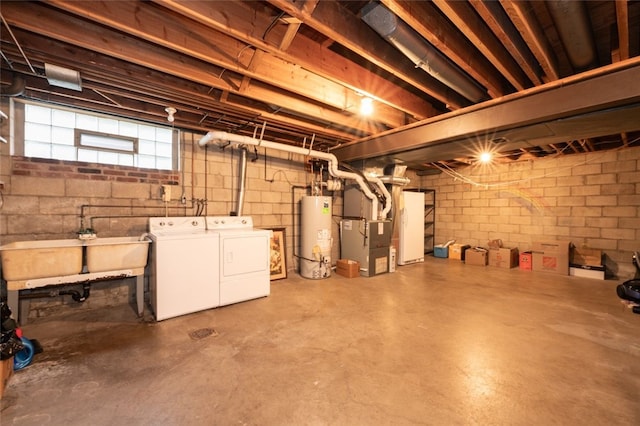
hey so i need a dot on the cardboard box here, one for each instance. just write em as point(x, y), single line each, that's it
point(587, 271)
point(503, 257)
point(586, 256)
point(526, 260)
point(474, 256)
point(456, 251)
point(348, 268)
point(6, 371)
point(440, 251)
point(551, 256)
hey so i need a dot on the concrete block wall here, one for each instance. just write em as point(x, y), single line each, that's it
point(43, 199)
point(591, 199)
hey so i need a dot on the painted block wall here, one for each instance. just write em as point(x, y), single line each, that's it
point(591, 199)
point(43, 199)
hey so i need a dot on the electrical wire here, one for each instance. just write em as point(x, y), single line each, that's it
point(469, 180)
point(15, 40)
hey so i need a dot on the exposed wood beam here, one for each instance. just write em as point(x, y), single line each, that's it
point(338, 24)
point(525, 21)
point(497, 20)
point(293, 25)
point(470, 24)
point(426, 20)
point(622, 15)
point(97, 68)
point(74, 31)
point(230, 18)
point(146, 22)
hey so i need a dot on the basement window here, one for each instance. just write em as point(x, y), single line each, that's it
point(44, 131)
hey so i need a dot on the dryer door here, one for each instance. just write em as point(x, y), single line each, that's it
point(244, 254)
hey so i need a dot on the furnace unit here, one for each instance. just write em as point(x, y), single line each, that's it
point(366, 241)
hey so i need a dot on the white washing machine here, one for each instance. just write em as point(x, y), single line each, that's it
point(184, 266)
point(244, 258)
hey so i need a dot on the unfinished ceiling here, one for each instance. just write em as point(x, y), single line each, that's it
point(525, 78)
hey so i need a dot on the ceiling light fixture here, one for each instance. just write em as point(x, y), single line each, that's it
point(366, 106)
point(170, 111)
point(485, 157)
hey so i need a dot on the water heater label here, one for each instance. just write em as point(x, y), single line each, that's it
point(347, 225)
point(325, 208)
point(323, 234)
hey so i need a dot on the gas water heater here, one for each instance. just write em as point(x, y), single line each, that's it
point(315, 237)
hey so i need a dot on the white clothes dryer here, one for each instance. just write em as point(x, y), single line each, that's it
point(244, 258)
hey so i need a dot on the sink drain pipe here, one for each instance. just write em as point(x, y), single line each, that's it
point(75, 294)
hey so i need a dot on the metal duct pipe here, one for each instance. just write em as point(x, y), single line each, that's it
point(219, 136)
point(573, 25)
point(420, 52)
point(18, 84)
point(242, 179)
point(395, 180)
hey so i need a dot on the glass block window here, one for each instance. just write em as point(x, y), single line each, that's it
point(73, 135)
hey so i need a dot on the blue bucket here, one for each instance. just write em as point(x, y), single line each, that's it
point(24, 357)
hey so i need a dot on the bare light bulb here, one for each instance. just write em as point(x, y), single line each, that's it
point(366, 106)
point(170, 111)
point(485, 157)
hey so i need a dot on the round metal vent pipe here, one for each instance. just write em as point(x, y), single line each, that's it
point(420, 51)
point(573, 25)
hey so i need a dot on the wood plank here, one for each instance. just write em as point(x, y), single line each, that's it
point(148, 22)
point(622, 16)
point(528, 26)
point(72, 30)
point(338, 24)
point(230, 18)
point(496, 19)
point(427, 21)
point(470, 24)
point(97, 68)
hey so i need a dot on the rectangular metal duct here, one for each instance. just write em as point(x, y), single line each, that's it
point(63, 77)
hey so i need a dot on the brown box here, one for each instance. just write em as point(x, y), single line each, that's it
point(526, 260)
point(503, 257)
point(586, 256)
point(551, 256)
point(6, 371)
point(473, 256)
point(456, 251)
point(348, 268)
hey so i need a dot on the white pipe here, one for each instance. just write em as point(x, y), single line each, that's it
point(215, 136)
point(384, 191)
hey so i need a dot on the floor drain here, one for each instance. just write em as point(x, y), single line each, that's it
point(202, 333)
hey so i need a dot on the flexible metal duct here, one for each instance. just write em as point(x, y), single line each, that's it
point(219, 136)
point(420, 52)
point(572, 22)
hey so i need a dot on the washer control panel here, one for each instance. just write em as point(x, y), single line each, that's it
point(177, 224)
point(229, 222)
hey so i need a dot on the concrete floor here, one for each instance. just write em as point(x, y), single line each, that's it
point(439, 343)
